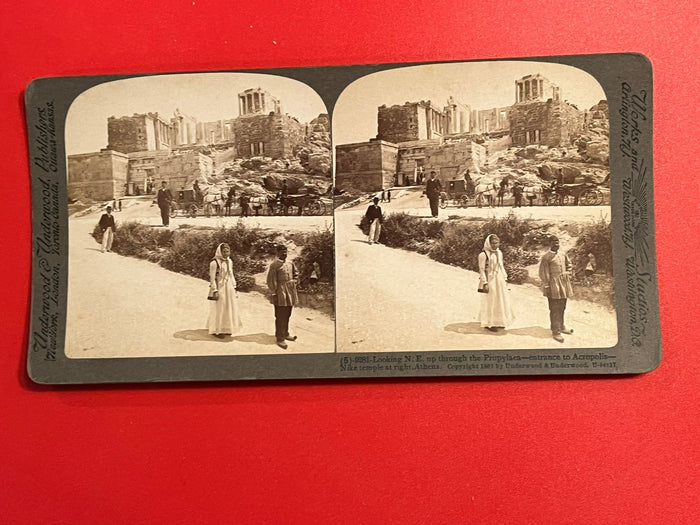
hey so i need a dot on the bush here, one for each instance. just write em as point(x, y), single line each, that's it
point(460, 245)
point(192, 252)
point(399, 230)
point(138, 240)
point(318, 247)
point(595, 238)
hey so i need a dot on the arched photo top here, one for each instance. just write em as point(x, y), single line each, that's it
point(184, 109)
point(463, 89)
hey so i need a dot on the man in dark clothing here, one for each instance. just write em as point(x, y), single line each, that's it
point(433, 188)
point(282, 281)
point(107, 225)
point(164, 199)
point(517, 195)
point(388, 195)
point(243, 201)
point(375, 218)
point(229, 199)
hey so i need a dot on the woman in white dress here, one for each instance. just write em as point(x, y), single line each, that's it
point(496, 312)
point(224, 318)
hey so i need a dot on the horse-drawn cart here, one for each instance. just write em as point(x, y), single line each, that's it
point(190, 203)
point(456, 194)
point(186, 204)
point(585, 193)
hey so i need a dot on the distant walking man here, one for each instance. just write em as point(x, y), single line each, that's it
point(555, 269)
point(433, 188)
point(375, 218)
point(107, 226)
point(243, 201)
point(282, 281)
point(164, 200)
point(517, 192)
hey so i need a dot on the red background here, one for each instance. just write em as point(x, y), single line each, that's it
point(604, 450)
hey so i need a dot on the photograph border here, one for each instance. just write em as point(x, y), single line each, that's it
point(626, 79)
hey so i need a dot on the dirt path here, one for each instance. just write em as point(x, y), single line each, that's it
point(395, 300)
point(124, 307)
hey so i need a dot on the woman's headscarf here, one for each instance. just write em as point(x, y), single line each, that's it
point(219, 254)
point(495, 257)
point(225, 262)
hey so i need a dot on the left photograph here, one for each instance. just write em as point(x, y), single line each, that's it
point(200, 218)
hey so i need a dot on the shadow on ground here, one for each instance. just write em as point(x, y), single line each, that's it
point(537, 332)
point(204, 335)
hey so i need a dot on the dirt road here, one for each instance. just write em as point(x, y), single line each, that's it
point(124, 307)
point(395, 300)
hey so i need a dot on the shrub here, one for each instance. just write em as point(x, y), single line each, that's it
point(138, 240)
point(595, 238)
point(399, 230)
point(318, 247)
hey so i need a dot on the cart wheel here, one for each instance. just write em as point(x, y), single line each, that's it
point(567, 200)
point(588, 198)
point(293, 209)
point(464, 201)
point(321, 208)
point(312, 208)
point(599, 197)
point(193, 210)
point(173, 211)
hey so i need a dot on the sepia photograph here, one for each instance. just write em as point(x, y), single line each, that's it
point(200, 218)
point(473, 209)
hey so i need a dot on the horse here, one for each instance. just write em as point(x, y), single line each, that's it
point(488, 190)
point(214, 201)
point(532, 192)
point(258, 203)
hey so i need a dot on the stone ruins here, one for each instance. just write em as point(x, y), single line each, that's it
point(144, 149)
point(416, 138)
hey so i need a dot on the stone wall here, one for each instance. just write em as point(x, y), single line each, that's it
point(97, 176)
point(451, 161)
point(366, 166)
point(550, 123)
point(400, 123)
point(182, 170)
point(127, 134)
point(139, 132)
point(273, 135)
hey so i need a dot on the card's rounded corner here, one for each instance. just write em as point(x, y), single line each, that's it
point(36, 377)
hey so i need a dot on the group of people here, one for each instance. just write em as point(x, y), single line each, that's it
point(224, 312)
point(496, 312)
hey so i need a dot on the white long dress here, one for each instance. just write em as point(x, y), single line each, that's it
point(496, 310)
point(224, 316)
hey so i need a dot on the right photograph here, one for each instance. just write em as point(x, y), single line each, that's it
point(472, 209)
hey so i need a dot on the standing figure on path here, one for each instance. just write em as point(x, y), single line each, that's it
point(496, 312)
point(517, 192)
point(555, 269)
point(243, 201)
point(164, 199)
point(375, 218)
point(383, 195)
point(433, 188)
point(224, 318)
point(107, 225)
point(501, 193)
point(229, 200)
point(282, 282)
point(388, 195)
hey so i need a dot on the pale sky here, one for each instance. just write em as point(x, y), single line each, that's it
point(204, 96)
point(481, 85)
